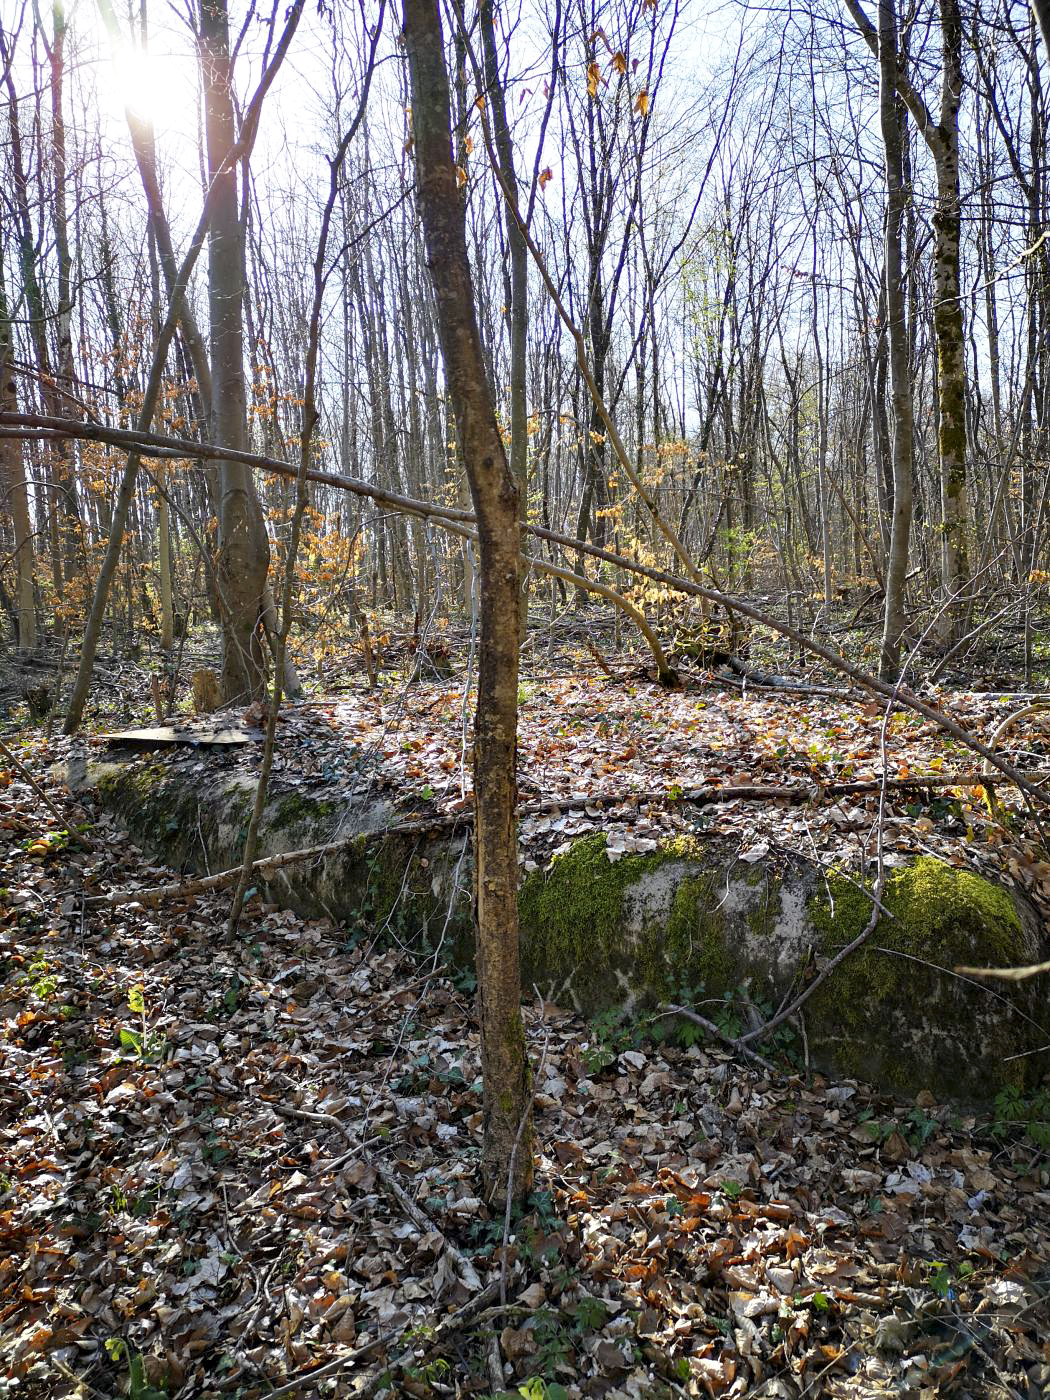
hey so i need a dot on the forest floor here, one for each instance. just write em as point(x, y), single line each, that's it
point(224, 1164)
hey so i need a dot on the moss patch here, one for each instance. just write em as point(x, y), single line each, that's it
point(896, 1004)
point(685, 920)
point(295, 809)
point(578, 932)
point(159, 810)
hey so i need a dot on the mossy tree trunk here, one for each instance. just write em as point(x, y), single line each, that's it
point(948, 324)
point(507, 1160)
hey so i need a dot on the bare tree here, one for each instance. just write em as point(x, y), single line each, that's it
point(892, 123)
point(507, 1154)
point(244, 550)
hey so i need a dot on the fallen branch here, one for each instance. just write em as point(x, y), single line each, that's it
point(669, 1009)
point(797, 1003)
point(770, 681)
point(77, 837)
point(589, 644)
point(425, 826)
point(419, 1219)
point(437, 1338)
point(1006, 974)
point(461, 522)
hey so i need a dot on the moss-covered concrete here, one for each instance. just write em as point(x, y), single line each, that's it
point(409, 887)
point(636, 930)
point(687, 920)
point(898, 1003)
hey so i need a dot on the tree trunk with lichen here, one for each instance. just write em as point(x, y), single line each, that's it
point(507, 1156)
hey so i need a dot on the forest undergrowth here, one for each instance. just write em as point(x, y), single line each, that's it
point(227, 1164)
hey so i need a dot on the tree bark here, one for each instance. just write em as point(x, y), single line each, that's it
point(71, 525)
point(948, 324)
point(942, 138)
point(891, 120)
point(507, 1155)
point(519, 274)
point(1042, 14)
point(126, 490)
point(244, 551)
point(13, 483)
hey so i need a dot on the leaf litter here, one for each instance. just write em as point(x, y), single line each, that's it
point(234, 1164)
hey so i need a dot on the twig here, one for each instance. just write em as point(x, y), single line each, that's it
point(451, 1323)
point(63, 820)
point(1005, 974)
point(49, 726)
point(589, 644)
point(392, 1186)
point(419, 1218)
point(461, 522)
point(525, 1118)
point(877, 908)
point(668, 1009)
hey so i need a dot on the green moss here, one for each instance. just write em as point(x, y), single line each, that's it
point(575, 927)
point(295, 809)
point(695, 945)
point(898, 993)
point(940, 913)
point(120, 781)
point(152, 806)
point(574, 910)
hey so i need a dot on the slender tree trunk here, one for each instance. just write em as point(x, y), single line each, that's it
point(244, 551)
point(126, 490)
point(942, 138)
point(507, 1154)
point(891, 120)
point(519, 269)
point(71, 527)
point(1042, 14)
point(948, 323)
point(13, 484)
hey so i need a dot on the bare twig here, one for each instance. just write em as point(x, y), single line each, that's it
point(1005, 974)
point(63, 821)
point(443, 1329)
point(670, 1009)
